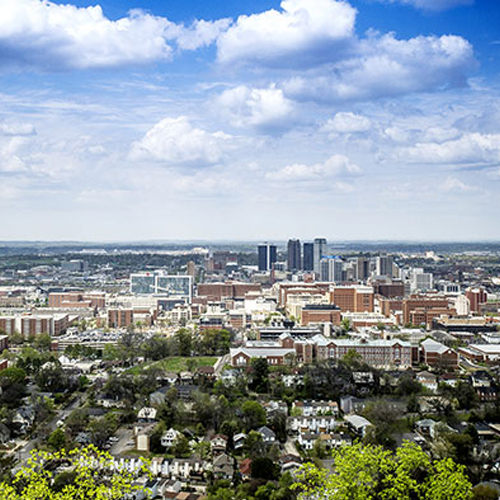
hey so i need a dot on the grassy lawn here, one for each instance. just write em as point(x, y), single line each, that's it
point(175, 364)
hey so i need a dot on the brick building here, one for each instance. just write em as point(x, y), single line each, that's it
point(353, 298)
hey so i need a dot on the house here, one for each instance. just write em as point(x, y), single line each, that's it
point(245, 469)
point(351, 404)
point(187, 468)
point(426, 427)
point(107, 402)
point(23, 419)
point(239, 441)
point(330, 440)
point(157, 397)
point(229, 377)
point(314, 424)
point(169, 437)
point(293, 380)
point(290, 463)
point(272, 408)
point(147, 414)
point(218, 444)
point(268, 435)
point(358, 424)
point(312, 408)
point(223, 467)
point(142, 433)
point(206, 373)
point(428, 380)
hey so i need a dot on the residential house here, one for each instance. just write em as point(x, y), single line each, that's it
point(268, 435)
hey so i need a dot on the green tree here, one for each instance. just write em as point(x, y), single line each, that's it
point(57, 440)
point(260, 375)
point(367, 472)
point(39, 479)
point(253, 415)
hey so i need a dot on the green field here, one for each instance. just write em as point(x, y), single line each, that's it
point(175, 364)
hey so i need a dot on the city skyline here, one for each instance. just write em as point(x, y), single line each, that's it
point(367, 120)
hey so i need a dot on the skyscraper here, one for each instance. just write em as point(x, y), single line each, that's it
point(294, 255)
point(267, 256)
point(308, 263)
point(362, 268)
point(319, 251)
point(331, 269)
point(384, 265)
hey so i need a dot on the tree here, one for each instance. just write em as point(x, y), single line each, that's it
point(92, 475)
point(367, 472)
point(57, 440)
point(260, 374)
point(484, 492)
point(253, 415)
point(264, 468)
point(12, 386)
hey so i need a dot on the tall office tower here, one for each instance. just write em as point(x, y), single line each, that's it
point(331, 269)
point(362, 268)
point(267, 256)
point(308, 263)
point(294, 255)
point(384, 265)
point(319, 251)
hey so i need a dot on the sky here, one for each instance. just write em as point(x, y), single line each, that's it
point(250, 120)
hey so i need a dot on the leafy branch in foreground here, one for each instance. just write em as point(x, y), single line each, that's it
point(367, 472)
point(86, 473)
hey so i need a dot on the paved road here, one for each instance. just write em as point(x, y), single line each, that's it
point(23, 450)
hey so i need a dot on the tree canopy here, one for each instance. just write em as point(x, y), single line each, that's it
point(367, 472)
point(86, 473)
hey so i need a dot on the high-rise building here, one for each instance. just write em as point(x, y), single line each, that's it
point(362, 268)
point(384, 265)
point(319, 251)
point(294, 255)
point(159, 283)
point(308, 262)
point(331, 269)
point(267, 256)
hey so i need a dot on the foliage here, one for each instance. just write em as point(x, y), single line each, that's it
point(367, 472)
point(260, 375)
point(88, 473)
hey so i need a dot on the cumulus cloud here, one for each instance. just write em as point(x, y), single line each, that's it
point(471, 148)
point(264, 108)
point(347, 123)
point(44, 35)
point(386, 66)
point(176, 141)
point(335, 166)
point(301, 32)
point(433, 5)
point(200, 34)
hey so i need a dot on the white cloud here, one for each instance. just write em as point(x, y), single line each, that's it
point(175, 141)
point(471, 148)
point(335, 166)
point(200, 34)
point(49, 36)
point(303, 31)
point(261, 108)
point(347, 123)
point(17, 129)
point(11, 157)
point(434, 5)
point(387, 66)
point(452, 184)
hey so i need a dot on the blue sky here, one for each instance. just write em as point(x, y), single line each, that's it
point(368, 119)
